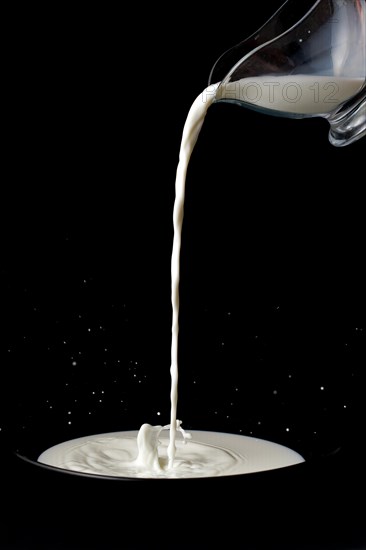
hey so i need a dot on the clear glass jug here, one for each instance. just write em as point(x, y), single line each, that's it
point(308, 60)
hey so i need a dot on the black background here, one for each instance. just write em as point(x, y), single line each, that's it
point(272, 280)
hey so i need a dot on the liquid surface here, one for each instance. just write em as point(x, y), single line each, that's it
point(207, 454)
point(296, 94)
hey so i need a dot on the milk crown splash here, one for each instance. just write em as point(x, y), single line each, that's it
point(148, 446)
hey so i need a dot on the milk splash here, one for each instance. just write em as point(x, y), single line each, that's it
point(148, 444)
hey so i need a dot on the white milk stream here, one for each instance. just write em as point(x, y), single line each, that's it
point(148, 453)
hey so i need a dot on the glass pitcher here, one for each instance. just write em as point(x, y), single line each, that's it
point(308, 60)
